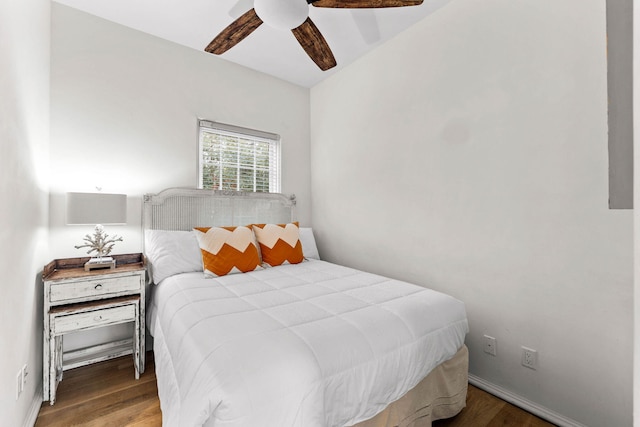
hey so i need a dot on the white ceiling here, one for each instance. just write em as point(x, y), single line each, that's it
point(349, 32)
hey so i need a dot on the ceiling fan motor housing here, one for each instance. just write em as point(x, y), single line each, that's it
point(282, 14)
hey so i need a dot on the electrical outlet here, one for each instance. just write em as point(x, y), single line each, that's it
point(529, 358)
point(25, 372)
point(490, 345)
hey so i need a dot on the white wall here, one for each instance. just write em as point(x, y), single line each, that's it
point(24, 141)
point(474, 146)
point(123, 117)
point(619, 83)
point(636, 214)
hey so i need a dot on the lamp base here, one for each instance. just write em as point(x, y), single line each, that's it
point(100, 263)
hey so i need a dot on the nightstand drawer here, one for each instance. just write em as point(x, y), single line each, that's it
point(93, 319)
point(93, 287)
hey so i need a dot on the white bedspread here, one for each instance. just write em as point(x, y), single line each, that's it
point(307, 345)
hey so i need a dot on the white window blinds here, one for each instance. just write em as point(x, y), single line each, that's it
point(235, 158)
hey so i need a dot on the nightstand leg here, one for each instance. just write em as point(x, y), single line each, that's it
point(136, 341)
point(142, 334)
point(46, 359)
point(59, 370)
point(53, 356)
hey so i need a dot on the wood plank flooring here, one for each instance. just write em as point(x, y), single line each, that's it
point(486, 410)
point(106, 394)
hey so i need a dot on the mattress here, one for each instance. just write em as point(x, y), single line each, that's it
point(310, 344)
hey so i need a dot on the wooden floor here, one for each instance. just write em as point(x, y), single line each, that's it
point(106, 394)
point(486, 410)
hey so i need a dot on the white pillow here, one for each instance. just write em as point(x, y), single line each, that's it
point(171, 252)
point(309, 249)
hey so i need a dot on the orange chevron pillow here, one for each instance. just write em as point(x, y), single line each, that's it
point(227, 250)
point(279, 243)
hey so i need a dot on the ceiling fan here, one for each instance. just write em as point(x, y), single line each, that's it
point(294, 15)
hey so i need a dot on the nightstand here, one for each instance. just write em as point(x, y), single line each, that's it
point(78, 300)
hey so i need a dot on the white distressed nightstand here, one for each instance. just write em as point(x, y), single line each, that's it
point(77, 300)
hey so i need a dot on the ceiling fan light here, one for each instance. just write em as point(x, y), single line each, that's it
point(282, 14)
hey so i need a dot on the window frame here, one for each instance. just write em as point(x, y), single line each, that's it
point(274, 141)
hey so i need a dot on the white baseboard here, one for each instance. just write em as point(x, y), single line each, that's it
point(521, 402)
point(34, 409)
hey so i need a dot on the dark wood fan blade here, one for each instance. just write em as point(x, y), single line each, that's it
point(364, 4)
point(234, 33)
point(312, 41)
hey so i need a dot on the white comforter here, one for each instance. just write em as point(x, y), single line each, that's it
point(312, 344)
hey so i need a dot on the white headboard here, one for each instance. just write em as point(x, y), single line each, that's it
point(185, 208)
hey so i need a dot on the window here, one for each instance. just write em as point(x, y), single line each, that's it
point(234, 158)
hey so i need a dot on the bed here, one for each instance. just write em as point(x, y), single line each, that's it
point(305, 343)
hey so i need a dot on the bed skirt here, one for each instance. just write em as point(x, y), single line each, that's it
point(441, 394)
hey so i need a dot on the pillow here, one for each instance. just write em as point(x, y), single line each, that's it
point(171, 252)
point(309, 249)
point(279, 243)
point(227, 250)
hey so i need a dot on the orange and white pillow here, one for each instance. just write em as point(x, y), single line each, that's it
point(279, 243)
point(227, 250)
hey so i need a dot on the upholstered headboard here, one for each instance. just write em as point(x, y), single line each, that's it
point(185, 208)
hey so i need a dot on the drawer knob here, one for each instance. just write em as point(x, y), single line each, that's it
point(97, 318)
point(98, 286)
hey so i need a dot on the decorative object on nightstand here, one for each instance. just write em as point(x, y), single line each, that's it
point(79, 300)
point(101, 244)
point(99, 209)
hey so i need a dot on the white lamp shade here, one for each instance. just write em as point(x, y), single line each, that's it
point(96, 208)
point(282, 14)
